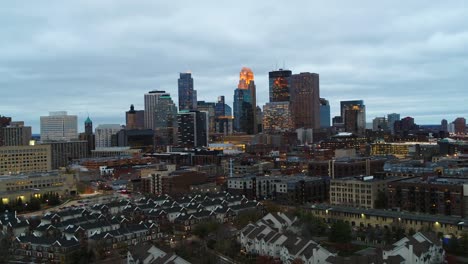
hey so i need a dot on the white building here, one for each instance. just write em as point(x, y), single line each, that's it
point(59, 126)
point(103, 134)
point(266, 238)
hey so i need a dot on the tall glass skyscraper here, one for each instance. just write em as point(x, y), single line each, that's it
point(325, 115)
point(279, 83)
point(245, 103)
point(187, 95)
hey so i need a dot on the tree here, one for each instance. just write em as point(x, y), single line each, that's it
point(340, 232)
point(34, 204)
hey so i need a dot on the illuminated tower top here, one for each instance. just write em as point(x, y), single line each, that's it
point(245, 76)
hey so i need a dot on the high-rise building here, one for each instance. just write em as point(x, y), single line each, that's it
point(279, 83)
point(354, 116)
point(277, 117)
point(380, 124)
point(223, 117)
point(444, 125)
point(88, 135)
point(59, 126)
point(4, 122)
point(245, 103)
point(16, 134)
point(460, 125)
point(134, 119)
point(187, 95)
point(151, 102)
point(305, 100)
point(104, 133)
point(165, 125)
point(325, 115)
point(392, 118)
point(208, 107)
point(404, 125)
point(192, 129)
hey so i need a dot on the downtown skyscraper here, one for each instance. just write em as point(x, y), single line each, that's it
point(187, 95)
point(161, 116)
point(245, 103)
point(305, 100)
point(277, 115)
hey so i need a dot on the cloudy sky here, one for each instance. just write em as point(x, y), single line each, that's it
point(98, 57)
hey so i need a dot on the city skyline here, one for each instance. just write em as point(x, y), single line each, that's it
point(395, 59)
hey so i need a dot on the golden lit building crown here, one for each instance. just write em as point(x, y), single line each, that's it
point(246, 75)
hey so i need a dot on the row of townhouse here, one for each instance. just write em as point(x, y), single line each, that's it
point(421, 248)
point(266, 237)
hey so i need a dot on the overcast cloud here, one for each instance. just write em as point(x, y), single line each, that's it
point(98, 57)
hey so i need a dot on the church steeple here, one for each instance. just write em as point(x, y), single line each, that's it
point(88, 126)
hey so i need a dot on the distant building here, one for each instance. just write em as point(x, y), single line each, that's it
point(136, 138)
point(404, 126)
point(325, 115)
point(277, 117)
point(379, 124)
point(209, 108)
point(134, 119)
point(16, 134)
point(444, 125)
point(460, 125)
point(104, 133)
point(392, 118)
point(280, 84)
point(192, 129)
point(88, 135)
point(151, 107)
point(245, 103)
point(63, 152)
point(165, 125)
point(305, 100)
point(354, 116)
point(59, 126)
point(24, 159)
point(223, 117)
point(187, 95)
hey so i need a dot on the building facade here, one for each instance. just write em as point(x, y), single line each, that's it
point(16, 134)
point(192, 129)
point(277, 117)
point(354, 116)
point(24, 159)
point(64, 152)
point(59, 126)
point(245, 103)
point(325, 115)
point(187, 95)
point(134, 119)
point(104, 133)
point(305, 100)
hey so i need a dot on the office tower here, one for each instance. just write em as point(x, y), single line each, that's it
point(391, 118)
point(379, 124)
point(444, 125)
point(337, 122)
point(354, 116)
point(305, 100)
point(151, 102)
point(88, 135)
point(405, 125)
point(187, 95)
point(245, 103)
point(279, 83)
point(223, 117)
point(4, 122)
point(19, 159)
point(192, 129)
point(165, 125)
point(277, 117)
point(259, 120)
point(134, 119)
point(325, 115)
point(104, 133)
point(460, 125)
point(16, 134)
point(59, 126)
point(208, 107)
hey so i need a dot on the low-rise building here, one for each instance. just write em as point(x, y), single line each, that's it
point(24, 159)
point(29, 185)
point(361, 191)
